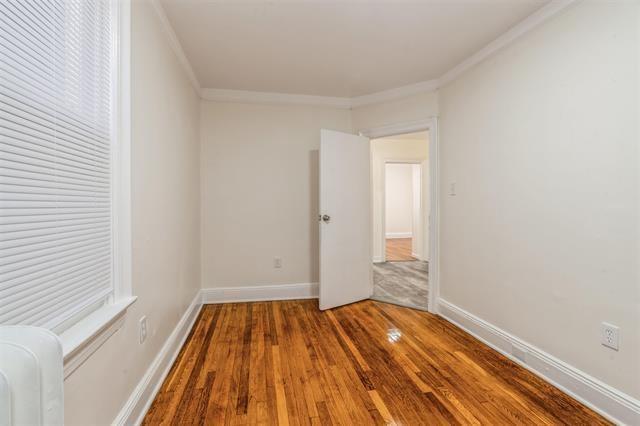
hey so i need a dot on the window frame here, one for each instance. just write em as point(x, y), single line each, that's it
point(83, 338)
point(121, 150)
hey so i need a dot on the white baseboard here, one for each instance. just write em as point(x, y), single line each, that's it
point(391, 235)
point(377, 259)
point(260, 293)
point(602, 398)
point(143, 395)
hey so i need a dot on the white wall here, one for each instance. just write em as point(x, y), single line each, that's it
point(382, 150)
point(260, 191)
point(418, 107)
point(398, 200)
point(416, 209)
point(541, 239)
point(165, 220)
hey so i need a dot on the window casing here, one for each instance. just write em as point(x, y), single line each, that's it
point(62, 199)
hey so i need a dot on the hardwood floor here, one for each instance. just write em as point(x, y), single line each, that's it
point(398, 250)
point(287, 362)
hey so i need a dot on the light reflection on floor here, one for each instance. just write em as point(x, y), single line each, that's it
point(393, 335)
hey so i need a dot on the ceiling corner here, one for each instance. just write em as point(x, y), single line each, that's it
point(176, 46)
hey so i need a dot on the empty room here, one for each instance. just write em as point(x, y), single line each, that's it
point(349, 212)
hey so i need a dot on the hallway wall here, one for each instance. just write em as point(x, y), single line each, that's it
point(398, 200)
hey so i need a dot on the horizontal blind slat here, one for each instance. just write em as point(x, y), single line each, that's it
point(24, 31)
point(19, 212)
point(18, 301)
point(20, 271)
point(42, 284)
point(20, 245)
point(49, 192)
point(29, 222)
point(51, 159)
point(26, 180)
point(13, 231)
point(42, 74)
point(50, 168)
point(24, 282)
point(58, 312)
point(46, 144)
point(21, 116)
point(42, 249)
point(55, 159)
point(32, 172)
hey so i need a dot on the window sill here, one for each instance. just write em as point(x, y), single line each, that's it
point(84, 338)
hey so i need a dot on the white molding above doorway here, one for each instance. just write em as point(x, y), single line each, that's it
point(392, 235)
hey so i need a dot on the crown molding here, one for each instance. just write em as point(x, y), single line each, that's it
point(248, 96)
point(175, 45)
point(529, 23)
point(397, 93)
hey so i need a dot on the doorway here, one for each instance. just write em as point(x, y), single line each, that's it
point(400, 211)
point(351, 237)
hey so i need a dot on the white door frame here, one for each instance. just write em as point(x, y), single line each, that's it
point(430, 124)
point(383, 202)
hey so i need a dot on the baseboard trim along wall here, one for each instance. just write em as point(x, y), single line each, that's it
point(392, 235)
point(260, 293)
point(606, 400)
point(143, 395)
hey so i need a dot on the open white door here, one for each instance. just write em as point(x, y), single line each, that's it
point(345, 225)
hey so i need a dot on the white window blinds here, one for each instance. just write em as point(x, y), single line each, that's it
point(55, 160)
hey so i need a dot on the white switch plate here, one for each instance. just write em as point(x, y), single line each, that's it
point(277, 262)
point(143, 329)
point(452, 188)
point(610, 336)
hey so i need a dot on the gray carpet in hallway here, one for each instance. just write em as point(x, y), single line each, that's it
point(404, 283)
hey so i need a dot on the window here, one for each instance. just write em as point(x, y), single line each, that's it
point(58, 153)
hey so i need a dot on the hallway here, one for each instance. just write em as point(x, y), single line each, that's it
point(403, 283)
point(398, 250)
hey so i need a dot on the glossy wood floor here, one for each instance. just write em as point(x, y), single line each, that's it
point(366, 363)
point(398, 250)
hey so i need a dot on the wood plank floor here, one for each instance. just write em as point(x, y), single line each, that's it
point(398, 250)
point(367, 363)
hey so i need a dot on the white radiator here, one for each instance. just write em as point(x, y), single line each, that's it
point(31, 377)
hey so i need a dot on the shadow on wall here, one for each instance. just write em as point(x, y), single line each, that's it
point(314, 208)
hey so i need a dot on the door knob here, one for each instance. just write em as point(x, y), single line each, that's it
point(326, 218)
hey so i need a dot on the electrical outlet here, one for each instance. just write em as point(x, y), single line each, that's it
point(452, 189)
point(610, 336)
point(277, 262)
point(143, 329)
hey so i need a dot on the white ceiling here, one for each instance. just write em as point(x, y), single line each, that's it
point(341, 48)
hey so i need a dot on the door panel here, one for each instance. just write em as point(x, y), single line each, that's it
point(345, 232)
